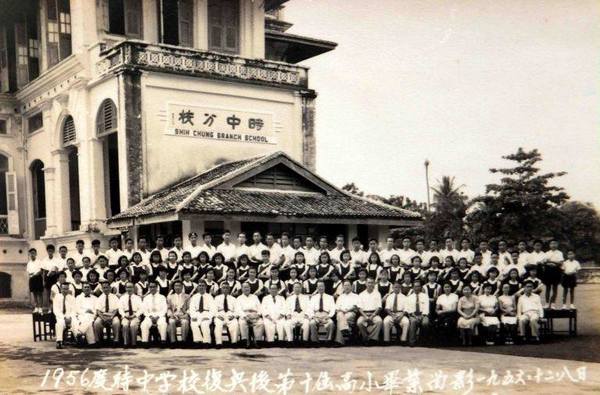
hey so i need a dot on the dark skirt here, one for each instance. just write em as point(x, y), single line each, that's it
point(552, 275)
point(36, 283)
point(569, 280)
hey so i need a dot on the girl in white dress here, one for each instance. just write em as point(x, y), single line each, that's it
point(488, 308)
point(508, 317)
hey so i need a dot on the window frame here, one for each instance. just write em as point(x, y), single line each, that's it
point(222, 6)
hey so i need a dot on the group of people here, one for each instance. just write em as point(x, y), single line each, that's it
point(296, 290)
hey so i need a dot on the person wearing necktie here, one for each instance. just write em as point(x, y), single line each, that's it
point(250, 315)
point(369, 306)
point(323, 311)
point(107, 313)
point(417, 309)
point(298, 314)
point(394, 307)
point(177, 303)
point(63, 306)
point(273, 312)
point(346, 307)
point(201, 309)
point(130, 309)
point(85, 309)
point(226, 315)
point(155, 309)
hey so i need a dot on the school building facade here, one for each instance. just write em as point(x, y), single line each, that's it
point(160, 116)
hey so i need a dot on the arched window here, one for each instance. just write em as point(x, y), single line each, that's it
point(106, 119)
point(38, 186)
point(68, 131)
point(69, 138)
point(106, 128)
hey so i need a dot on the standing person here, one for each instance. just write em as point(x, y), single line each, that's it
point(417, 309)
point(421, 253)
point(227, 249)
point(85, 312)
point(177, 246)
point(504, 256)
point(160, 247)
point(336, 252)
point(525, 259)
point(63, 307)
point(529, 312)
point(449, 250)
point(311, 254)
point(155, 312)
point(275, 252)
point(323, 310)
point(388, 251)
point(51, 266)
point(297, 314)
point(36, 281)
point(369, 306)
point(538, 257)
point(508, 314)
point(114, 252)
point(143, 250)
point(107, 309)
point(250, 316)
point(177, 313)
point(468, 310)
point(79, 253)
point(226, 315)
point(256, 249)
point(201, 310)
point(346, 307)
point(208, 247)
point(434, 250)
point(570, 267)
point(288, 250)
point(131, 310)
point(359, 257)
point(466, 251)
point(193, 248)
point(128, 250)
point(273, 310)
point(486, 253)
point(552, 272)
point(242, 248)
point(94, 253)
point(488, 314)
point(394, 308)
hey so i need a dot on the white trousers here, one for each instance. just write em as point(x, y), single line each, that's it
point(272, 327)
point(61, 324)
point(84, 325)
point(297, 320)
point(161, 324)
point(201, 330)
point(232, 326)
point(258, 328)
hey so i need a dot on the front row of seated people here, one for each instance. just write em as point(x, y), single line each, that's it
point(299, 317)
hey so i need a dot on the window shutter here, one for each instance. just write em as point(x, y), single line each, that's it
point(186, 23)
point(106, 120)
point(3, 61)
point(53, 35)
point(64, 19)
point(22, 54)
point(232, 26)
point(102, 17)
point(13, 203)
point(133, 18)
point(69, 135)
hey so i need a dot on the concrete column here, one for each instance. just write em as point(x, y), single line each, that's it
point(200, 25)
point(49, 174)
point(61, 198)
point(382, 234)
point(352, 233)
point(93, 192)
point(130, 140)
point(151, 21)
point(186, 228)
point(309, 144)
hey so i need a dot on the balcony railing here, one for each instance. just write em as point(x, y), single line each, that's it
point(3, 224)
point(134, 54)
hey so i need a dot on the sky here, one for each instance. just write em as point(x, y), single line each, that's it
point(460, 83)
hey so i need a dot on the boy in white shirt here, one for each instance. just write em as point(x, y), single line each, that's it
point(570, 267)
point(552, 272)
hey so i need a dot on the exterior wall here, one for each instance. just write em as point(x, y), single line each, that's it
point(188, 155)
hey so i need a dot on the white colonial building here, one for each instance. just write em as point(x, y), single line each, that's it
point(159, 116)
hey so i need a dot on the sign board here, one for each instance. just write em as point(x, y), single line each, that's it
point(220, 124)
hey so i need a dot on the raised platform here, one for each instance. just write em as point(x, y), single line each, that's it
point(557, 314)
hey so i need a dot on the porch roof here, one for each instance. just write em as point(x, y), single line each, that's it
point(221, 191)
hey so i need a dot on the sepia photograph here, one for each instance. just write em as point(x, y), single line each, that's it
point(299, 197)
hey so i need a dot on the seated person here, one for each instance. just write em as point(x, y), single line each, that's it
point(226, 315)
point(394, 308)
point(250, 316)
point(529, 312)
point(63, 306)
point(346, 307)
point(130, 310)
point(177, 312)
point(369, 306)
point(201, 310)
point(107, 313)
point(155, 312)
point(323, 310)
point(298, 313)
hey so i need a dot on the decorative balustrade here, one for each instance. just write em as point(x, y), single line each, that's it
point(169, 59)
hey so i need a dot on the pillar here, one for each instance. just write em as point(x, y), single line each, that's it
point(95, 194)
point(49, 174)
point(309, 146)
point(61, 197)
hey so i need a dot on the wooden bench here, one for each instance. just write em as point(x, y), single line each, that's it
point(551, 315)
point(44, 326)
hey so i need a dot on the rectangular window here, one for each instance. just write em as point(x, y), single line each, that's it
point(35, 122)
point(224, 25)
point(177, 27)
point(58, 28)
point(124, 17)
point(4, 84)
point(3, 127)
point(21, 54)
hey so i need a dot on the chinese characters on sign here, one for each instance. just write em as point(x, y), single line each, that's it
point(411, 381)
point(218, 124)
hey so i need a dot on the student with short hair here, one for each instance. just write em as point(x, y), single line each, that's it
point(177, 313)
point(529, 313)
point(369, 306)
point(297, 314)
point(130, 310)
point(395, 315)
point(36, 281)
point(570, 267)
point(322, 313)
point(63, 307)
point(552, 272)
point(226, 311)
point(107, 309)
point(155, 312)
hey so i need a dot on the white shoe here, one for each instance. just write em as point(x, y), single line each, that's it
point(546, 305)
point(564, 307)
point(573, 307)
point(552, 306)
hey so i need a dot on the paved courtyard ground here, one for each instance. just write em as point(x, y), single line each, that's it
point(565, 365)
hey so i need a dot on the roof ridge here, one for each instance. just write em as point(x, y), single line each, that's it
point(382, 204)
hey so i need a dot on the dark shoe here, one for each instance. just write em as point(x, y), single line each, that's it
point(59, 345)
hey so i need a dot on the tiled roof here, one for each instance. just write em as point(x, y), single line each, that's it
point(199, 195)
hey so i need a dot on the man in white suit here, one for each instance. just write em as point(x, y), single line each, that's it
point(298, 313)
point(226, 315)
point(155, 312)
point(273, 313)
point(202, 310)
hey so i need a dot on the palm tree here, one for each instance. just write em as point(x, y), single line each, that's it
point(447, 195)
